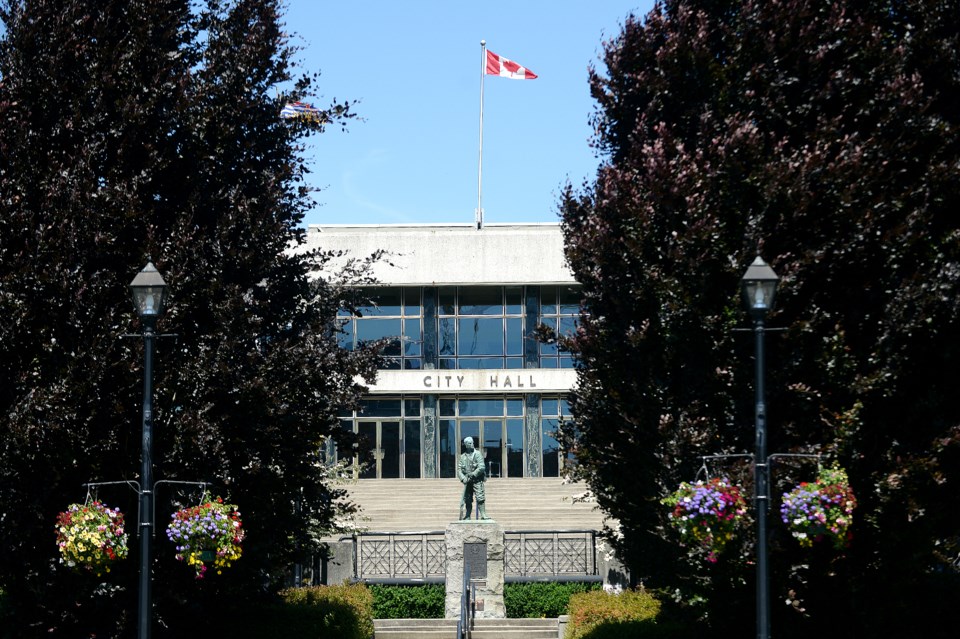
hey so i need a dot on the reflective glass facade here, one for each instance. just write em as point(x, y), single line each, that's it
point(471, 327)
point(397, 317)
point(393, 430)
point(440, 330)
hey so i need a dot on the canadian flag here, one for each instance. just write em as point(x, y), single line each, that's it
point(507, 68)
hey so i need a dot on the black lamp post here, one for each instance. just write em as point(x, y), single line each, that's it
point(148, 290)
point(759, 289)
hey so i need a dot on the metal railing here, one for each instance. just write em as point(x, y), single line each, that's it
point(465, 622)
point(420, 557)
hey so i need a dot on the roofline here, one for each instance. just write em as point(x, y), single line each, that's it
point(433, 225)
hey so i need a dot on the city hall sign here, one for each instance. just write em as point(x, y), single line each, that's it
point(475, 381)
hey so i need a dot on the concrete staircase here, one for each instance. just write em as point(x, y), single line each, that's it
point(398, 505)
point(482, 629)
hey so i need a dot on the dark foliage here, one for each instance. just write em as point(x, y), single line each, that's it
point(149, 129)
point(823, 136)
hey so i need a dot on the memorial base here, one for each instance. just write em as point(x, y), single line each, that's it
point(478, 544)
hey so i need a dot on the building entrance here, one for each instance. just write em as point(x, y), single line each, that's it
point(385, 441)
point(488, 437)
point(500, 441)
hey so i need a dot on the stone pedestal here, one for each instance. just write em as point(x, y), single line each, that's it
point(479, 544)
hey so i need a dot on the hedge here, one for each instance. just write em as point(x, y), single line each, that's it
point(408, 602)
point(537, 600)
point(601, 615)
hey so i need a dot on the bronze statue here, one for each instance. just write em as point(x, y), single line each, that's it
point(472, 474)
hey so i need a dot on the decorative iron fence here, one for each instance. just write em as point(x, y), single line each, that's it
point(528, 555)
point(414, 556)
point(549, 553)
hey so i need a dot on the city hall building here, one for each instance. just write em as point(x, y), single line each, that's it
point(458, 307)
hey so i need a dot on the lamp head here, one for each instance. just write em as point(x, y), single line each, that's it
point(759, 286)
point(149, 292)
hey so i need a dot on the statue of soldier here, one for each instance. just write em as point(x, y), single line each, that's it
point(472, 474)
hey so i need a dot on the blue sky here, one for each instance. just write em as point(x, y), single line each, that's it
point(414, 66)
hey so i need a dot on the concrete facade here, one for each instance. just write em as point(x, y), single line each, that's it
point(430, 254)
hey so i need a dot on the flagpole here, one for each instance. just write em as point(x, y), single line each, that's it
point(483, 69)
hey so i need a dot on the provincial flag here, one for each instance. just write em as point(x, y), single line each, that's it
point(507, 68)
point(300, 111)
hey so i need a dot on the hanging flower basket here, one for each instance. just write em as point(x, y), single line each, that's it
point(706, 514)
point(207, 534)
point(820, 510)
point(91, 537)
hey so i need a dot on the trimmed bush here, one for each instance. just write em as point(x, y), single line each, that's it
point(601, 615)
point(541, 599)
point(345, 612)
point(408, 602)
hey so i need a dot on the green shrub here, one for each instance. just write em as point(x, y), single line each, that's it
point(345, 612)
point(541, 599)
point(601, 615)
point(408, 602)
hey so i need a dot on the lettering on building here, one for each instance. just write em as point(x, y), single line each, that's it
point(488, 382)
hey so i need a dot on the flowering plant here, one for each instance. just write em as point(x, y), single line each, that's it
point(210, 532)
point(706, 513)
point(821, 509)
point(90, 536)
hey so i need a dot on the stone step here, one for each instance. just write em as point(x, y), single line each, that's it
point(399, 505)
point(482, 628)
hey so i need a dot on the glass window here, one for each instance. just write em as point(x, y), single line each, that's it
point(447, 300)
point(478, 322)
point(548, 300)
point(395, 317)
point(411, 407)
point(376, 329)
point(560, 310)
point(411, 301)
point(480, 336)
point(551, 449)
point(568, 300)
point(411, 448)
point(481, 300)
point(447, 334)
point(389, 452)
point(387, 301)
point(549, 349)
point(549, 406)
point(554, 413)
point(447, 447)
point(481, 407)
point(513, 297)
point(380, 408)
point(448, 407)
point(514, 336)
point(412, 339)
point(367, 432)
point(515, 448)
